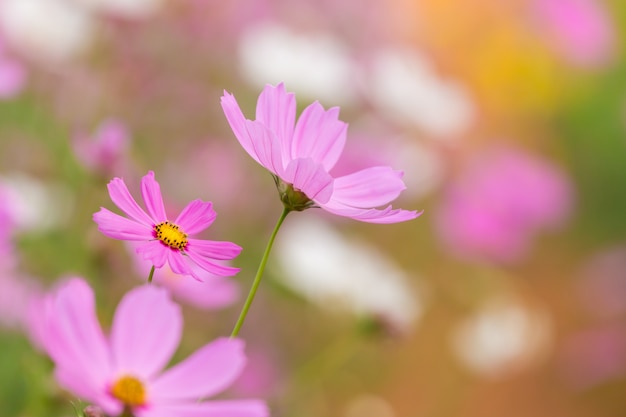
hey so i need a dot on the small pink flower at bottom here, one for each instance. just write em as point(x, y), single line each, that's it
point(124, 372)
point(301, 154)
point(166, 241)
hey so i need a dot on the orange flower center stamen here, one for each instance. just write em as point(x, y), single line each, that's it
point(171, 235)
point(130, 391)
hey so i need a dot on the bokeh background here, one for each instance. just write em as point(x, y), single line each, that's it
point(507, 297)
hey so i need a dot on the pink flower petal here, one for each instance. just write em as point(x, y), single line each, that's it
point(210, 370)
point(311, 178)
point(266, 147)
point(180, 264)
point(276, 110)
point(118, 227)
point(371, 187)
point(212, 267)
point(384, 216)
point(121, 197)
point(234, 408)
point(319, 135)
point(154, 251)
point(196, 216)
point(237, 123)
point(151, 193)
point(146, 331)
point(213, 249)
point(74, 338)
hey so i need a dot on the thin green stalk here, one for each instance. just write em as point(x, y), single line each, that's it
point(151, 275)
point(259, 274)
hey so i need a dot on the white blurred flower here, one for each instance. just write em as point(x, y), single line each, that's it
point(337, 273)
point(404, 85)
point(56, 31)
point(35, 205)
point(503, 336)
point(50, 31)
point(316, 65)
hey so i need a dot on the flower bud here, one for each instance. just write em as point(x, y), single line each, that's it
point(292, 198)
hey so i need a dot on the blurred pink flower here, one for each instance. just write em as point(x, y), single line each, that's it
point(213, 293)
point(105, 150)
point(165, 241)
point(125, 370)
point(12, 77)
point(498, 202)
point(7, 226)
point(12, 74)
point(581, 30)
point(301, 157)
point(594, 356)
point(16, 293)
point(602, 287)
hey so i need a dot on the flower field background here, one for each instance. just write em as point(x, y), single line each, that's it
point(505, 297)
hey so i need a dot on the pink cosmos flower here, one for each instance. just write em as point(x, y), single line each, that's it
point(301, 155)
point(166, 241)
point(124, 371)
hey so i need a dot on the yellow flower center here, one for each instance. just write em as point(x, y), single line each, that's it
point(130, 391)
point(171, 235)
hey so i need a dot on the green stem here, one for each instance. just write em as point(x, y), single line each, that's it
point(259, 274)
point(151, 275)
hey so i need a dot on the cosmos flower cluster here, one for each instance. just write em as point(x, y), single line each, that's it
point(123, 372)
